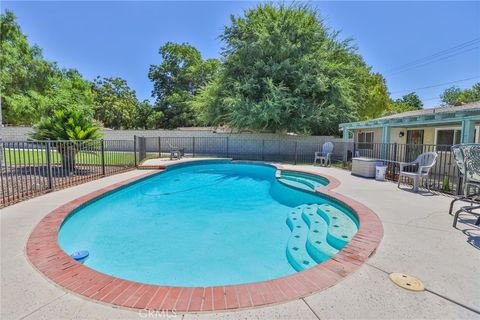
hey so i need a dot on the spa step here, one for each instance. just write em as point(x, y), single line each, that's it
point(301, 181)
point(297, 253)
point(317, 244)
point(340, 227)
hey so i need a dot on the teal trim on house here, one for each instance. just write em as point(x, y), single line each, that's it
point(466, 117)
point(468, 129)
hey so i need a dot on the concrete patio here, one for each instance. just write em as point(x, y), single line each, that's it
point(418, 240)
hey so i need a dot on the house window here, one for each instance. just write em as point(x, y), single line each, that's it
point(447, 137)
point(365, 140)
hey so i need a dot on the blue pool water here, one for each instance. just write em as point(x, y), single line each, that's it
point(208, 224)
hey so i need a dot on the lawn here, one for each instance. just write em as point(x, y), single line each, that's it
point(35, 157)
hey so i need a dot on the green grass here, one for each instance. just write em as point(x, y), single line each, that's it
point(36, 157)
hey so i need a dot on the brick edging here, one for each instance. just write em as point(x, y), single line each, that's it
point(45, 254)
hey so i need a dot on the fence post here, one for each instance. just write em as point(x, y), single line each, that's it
point(159, 147)
point(49, 167)
point(103, 156)
point(393, 166)
point(263, 149)
point(193, 147)
point(135, 150)
point(228, 140)
point(395, 146)
point(296, 154)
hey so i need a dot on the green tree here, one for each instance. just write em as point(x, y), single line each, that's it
point(30, 86)
point(408, 102)
point(146, 117)
point(115, 104)
point(176, 80)
point(413, 100)
point(456, 96)
point(284, 70)
point(69, 90)
point(24, 75)
point(374, 97)
point(65, 125)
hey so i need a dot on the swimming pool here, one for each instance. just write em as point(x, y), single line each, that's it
point(208, 224)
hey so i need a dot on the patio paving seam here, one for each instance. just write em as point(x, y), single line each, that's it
point(429, 215)
point(453, 301)
point(311, 309)
point(43, 306)
point(415, 226)
point(432, 292)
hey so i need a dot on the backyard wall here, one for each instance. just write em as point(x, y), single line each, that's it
point(206, 141)
point(21, 134)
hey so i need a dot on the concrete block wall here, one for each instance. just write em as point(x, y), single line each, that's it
point(14, 133)
point(256, 146)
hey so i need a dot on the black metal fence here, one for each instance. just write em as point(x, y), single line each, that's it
point(292, 150)
point(444, 175)
point(30, 168)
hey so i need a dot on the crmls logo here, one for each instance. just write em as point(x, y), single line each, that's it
point(144, 313)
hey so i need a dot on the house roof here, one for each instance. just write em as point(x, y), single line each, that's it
point(424, 116)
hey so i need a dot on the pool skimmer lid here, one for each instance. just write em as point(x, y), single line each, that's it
point(406, 282)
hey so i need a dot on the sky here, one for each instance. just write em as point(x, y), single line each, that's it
point(410, 43)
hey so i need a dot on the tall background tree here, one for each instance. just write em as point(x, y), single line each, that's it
point(176, 80)
point(115, 104)
point(284, 70)
point(30, 86)
point(374, 98)
point(456, 96)
point(408, 102)
point(24, 75)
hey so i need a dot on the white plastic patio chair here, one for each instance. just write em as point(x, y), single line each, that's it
point(422, 164)
point(324, 156)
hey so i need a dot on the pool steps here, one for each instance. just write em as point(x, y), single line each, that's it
point(318, 233)
point(300, 180)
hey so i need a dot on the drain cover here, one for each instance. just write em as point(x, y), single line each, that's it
point(407, 282)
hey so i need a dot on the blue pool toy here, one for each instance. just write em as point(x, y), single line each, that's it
point(79, 255)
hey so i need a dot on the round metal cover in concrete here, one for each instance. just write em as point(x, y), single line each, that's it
point(407, 282)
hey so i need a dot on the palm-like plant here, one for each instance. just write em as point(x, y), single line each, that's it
point(72, 128)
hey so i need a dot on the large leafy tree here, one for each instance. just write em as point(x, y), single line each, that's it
point(408, 102)
point(412, 99)
point(455, 96)
point(115, 104)
point(146, 117)
point(284, 70)
point(24, 74)
point(373, 97)
point(30, 86)
point(176, 80)
point(69, 90)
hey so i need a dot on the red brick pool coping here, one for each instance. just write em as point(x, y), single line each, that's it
point(46, 255)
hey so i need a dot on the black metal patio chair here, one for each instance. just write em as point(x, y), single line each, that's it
point(176, 152)
point(467, 158)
